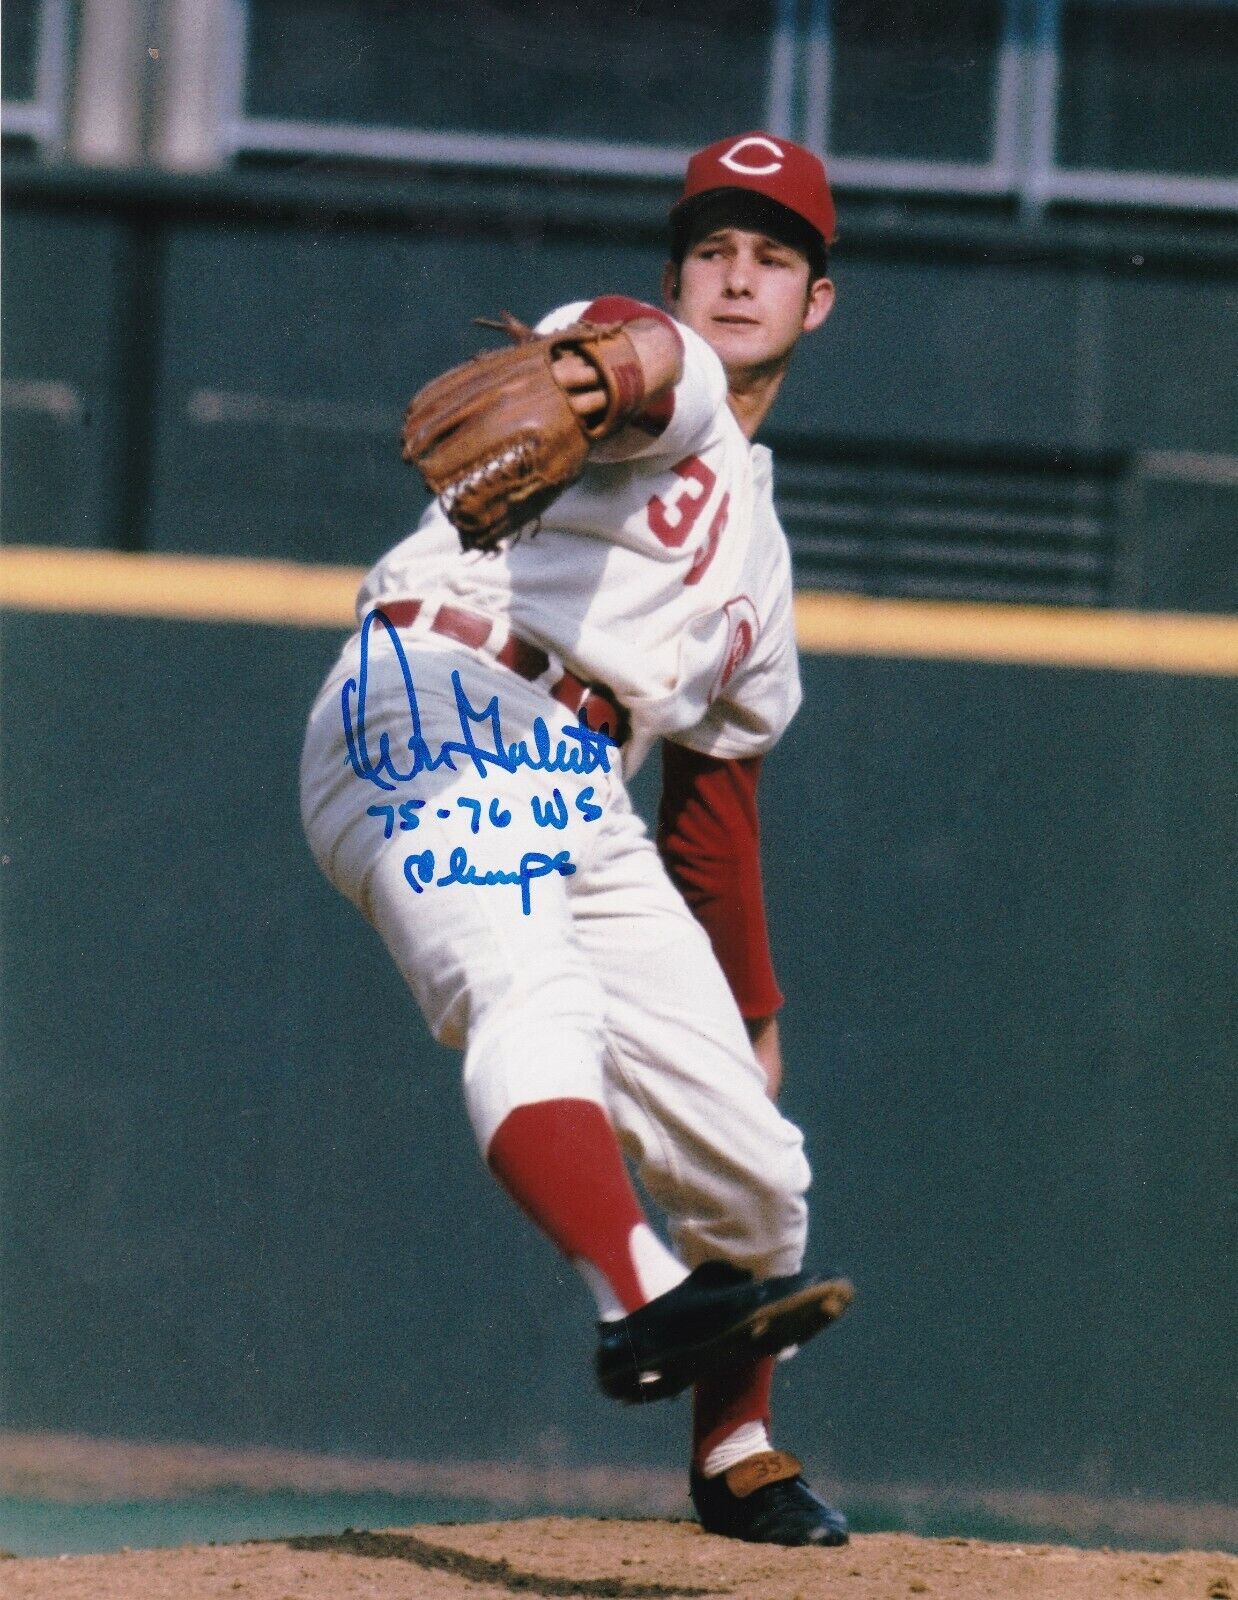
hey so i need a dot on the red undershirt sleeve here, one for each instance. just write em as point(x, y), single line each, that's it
point(709, 837)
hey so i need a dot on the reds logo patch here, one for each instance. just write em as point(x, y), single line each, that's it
point(742, 629)
point(748, 167)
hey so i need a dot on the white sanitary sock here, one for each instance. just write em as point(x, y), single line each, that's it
point(749, 1439)
point(657, 1271)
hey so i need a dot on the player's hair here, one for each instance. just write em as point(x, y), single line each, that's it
point(741, 208)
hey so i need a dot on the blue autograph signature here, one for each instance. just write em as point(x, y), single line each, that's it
point(552, 813)
point(419, 870)
point(581, 750)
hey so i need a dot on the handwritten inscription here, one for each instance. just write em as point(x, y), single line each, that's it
point(552, 813)
point(420, 869)
point(390, 761)
point(579, 749)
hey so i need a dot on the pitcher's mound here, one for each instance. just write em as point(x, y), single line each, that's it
point(614, 1560)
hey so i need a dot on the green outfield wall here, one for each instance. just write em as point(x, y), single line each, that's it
point(219, 365)
point(239, 1199)
point(241, 1203)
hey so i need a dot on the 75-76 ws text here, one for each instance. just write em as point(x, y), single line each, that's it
point(547, 813)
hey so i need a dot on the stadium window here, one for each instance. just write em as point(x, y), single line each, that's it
point(914, 80)
point(19, 48)
point(34, 49)
point(1148, 86)
point(521, 74)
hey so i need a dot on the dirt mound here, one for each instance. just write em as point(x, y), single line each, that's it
point(614, 1560)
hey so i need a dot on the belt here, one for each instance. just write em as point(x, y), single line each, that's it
point(592, 703)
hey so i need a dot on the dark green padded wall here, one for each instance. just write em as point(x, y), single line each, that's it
point(241, 1202)
point(237, 358)
point(240, 1199)
point(65, 382)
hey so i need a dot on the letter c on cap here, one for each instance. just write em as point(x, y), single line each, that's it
point(731, 158)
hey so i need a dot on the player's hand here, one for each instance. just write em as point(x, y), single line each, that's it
point(657, 349)
point(580, 383)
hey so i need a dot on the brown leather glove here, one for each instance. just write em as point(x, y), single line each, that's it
point(497, 439)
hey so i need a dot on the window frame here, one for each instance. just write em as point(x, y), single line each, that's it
point(1048, 182)
point(45, 117)
point(998, 176)
point(1023, 164)
point(1024, 160)
point(241, 134)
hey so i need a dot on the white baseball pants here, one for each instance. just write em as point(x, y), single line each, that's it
point(606, 990)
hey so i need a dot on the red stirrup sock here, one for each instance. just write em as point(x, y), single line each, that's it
point(561, 1163)
point(730, 1416)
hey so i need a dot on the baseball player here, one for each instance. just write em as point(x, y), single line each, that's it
point(603, 570)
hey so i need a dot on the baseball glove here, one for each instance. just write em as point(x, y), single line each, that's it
point(497, 439)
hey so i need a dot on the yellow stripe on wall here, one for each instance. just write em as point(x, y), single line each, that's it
point(191, 588)
point(1047, 636)
point(288, 593)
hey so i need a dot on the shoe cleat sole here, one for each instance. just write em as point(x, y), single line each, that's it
point(811, 1310)
point(764, 1332)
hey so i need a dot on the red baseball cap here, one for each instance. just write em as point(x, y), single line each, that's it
point(776, 168)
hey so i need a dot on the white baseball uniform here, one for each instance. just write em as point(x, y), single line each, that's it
point(449, 792)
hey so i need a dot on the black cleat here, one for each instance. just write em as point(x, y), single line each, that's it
point(766, 1501)
point(719, 1316)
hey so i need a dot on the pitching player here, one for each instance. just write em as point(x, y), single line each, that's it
point(603, 570)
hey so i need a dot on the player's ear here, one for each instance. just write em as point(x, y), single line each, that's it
point(670, 285)
point(818, 303)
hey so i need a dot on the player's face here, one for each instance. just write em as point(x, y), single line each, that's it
point(749, 296)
